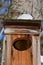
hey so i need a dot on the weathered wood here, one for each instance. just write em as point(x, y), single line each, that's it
point(20, 57)
point(8, 57)
point(32, 24)
point(4, 53)
point(36, 50)
point(21, 31)
point(26, 57)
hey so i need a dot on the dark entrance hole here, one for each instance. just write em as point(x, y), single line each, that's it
point(22, 44)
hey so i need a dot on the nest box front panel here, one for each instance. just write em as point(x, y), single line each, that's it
point(21, 49)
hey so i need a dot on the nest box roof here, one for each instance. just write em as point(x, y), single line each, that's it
point(33, 24)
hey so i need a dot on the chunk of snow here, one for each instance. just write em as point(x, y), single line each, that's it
point(25, 16)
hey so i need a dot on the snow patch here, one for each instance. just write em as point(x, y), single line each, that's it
point(25, 16)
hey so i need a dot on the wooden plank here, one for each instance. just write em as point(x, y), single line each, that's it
point(15, 57)
point(29, 56)
point(8, 50)
point(3, 53)
point(20, 57)
point(23, 23)
point(34, 50)
point(25, 27)
point(23, 57)
point(38, 50)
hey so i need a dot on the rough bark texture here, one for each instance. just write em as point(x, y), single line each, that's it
point(32, 7)
point(42, 8)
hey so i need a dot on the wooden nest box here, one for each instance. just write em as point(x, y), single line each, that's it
point(22, 42)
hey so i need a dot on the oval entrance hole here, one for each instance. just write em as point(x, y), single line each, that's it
point(21, 44)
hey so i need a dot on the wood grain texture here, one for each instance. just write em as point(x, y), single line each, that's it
point(21, 57)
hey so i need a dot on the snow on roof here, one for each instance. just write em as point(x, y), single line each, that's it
point(25, 16)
